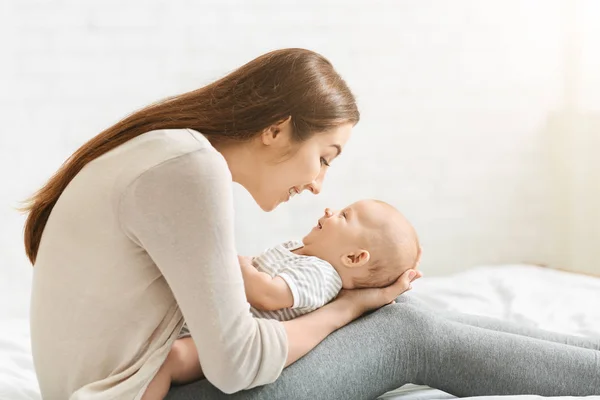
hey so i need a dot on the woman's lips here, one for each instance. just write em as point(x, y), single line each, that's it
point(292, 192)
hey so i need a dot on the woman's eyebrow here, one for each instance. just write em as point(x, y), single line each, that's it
point(338, 148)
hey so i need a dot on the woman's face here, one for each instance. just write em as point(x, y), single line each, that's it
point(286, 168)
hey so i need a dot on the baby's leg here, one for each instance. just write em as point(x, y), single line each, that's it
point(181, 366)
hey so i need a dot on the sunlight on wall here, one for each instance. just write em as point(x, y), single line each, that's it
point(579, 143)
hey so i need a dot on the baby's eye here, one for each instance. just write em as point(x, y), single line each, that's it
point(344, 214)
point(324, 162)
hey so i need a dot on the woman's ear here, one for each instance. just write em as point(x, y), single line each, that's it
point(272, 134)
point(355, 259)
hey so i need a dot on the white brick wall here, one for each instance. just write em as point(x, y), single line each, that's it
point(456, 99)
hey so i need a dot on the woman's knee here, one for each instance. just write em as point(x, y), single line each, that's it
point(415, 324)
point(405, 337)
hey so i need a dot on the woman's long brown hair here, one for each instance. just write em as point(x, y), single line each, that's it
point(295, 83)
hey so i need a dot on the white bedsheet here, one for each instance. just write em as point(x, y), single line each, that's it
point(17, 379)
point(531, 295)
point(548, 299)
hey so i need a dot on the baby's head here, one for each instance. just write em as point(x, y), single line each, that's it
point(369, 243)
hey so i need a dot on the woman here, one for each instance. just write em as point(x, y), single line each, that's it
point(134, 234)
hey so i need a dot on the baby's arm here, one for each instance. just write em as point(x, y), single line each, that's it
point(262, 291)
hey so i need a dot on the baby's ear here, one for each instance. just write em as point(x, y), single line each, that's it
point(358, 258)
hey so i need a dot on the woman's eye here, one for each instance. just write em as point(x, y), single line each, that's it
point(324, 162)
point(344, 214)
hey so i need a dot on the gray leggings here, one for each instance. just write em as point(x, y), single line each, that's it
point(461, 354)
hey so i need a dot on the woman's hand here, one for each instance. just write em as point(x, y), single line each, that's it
point(365, 300)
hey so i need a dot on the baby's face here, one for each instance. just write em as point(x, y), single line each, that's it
point(339, 232)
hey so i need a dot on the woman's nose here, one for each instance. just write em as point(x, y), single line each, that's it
point(328, 212)
point(315, 186)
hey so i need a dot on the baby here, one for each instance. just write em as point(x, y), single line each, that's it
point(367, 244)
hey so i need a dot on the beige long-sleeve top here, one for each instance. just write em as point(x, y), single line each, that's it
point(142, 237)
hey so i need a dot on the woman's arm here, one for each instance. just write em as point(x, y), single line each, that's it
point(306, 332)
point(181, 214)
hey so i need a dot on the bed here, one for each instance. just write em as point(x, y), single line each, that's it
point(542, 297)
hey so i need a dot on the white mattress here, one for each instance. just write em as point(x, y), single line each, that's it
point(545, 298)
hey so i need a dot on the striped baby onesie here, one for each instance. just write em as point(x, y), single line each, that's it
point(313, 281)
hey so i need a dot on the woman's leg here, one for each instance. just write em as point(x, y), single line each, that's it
point(402, 344)
point(181, 366)
point(505, 326)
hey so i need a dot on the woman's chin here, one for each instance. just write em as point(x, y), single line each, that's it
point(268, 206)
